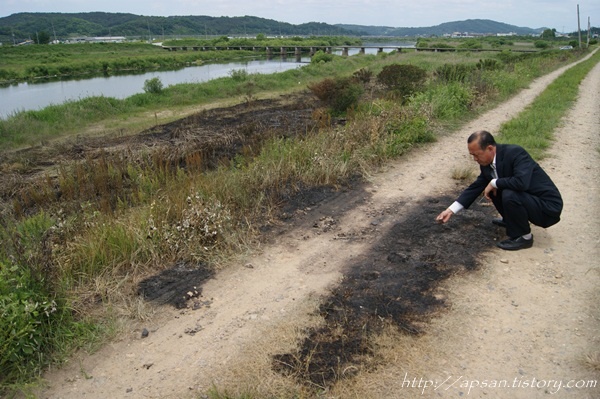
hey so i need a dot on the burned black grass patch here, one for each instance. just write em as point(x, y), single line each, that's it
point(175, 286)
point(394, 284)
point(97, 168)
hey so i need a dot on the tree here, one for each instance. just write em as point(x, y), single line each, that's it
point(549, 33)
point(153, 86)
point(41, 37)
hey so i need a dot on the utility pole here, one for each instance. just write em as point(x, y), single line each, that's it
point(588, 35)
point(578, 26)
point(54, 30)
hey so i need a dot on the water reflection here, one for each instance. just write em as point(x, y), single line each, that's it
point(32, 96)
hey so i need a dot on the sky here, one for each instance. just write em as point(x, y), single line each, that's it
point(555, 14)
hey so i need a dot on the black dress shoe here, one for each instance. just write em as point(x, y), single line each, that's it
point(514, 244)
point(499, 222)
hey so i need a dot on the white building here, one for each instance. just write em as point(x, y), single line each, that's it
point(97, 39)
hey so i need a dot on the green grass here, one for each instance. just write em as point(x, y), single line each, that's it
point(35, 321)
point(118, 218)
point(42, 61)
point(533, 128)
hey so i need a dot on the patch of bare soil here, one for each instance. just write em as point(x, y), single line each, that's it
point(361, 294)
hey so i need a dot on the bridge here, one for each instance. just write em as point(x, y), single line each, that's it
point(286, 50)
point(298, 51)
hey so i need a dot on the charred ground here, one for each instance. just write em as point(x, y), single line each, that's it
point(216, 135)
point(396, 283)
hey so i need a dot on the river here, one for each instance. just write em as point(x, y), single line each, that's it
point(34, 96)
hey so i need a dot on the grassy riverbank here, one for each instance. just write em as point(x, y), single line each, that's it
point(79, 238)
point(88, 59)
point(29, 128)
point(33, 127)
point(34, 62)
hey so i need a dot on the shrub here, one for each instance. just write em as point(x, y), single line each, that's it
point(471, 43)
point(363, 75)
point(153, 86)
point(496, 43)
point(238, 75)
point(508, 56)
point(190, 231)
point(406, 131)
point(402, 79)
point(338, 94)
point(26, 314)
point(422, 43)
point(441, 45)
point(445, 101)
point(483, 87)
point(7, 75)
point(453, 72)
point(415, 130)
point(321, 56)
point(487, 65)
point(541, 44)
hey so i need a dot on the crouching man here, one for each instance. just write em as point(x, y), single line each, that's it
point(518, 187)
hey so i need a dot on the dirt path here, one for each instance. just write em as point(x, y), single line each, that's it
point(519, 316)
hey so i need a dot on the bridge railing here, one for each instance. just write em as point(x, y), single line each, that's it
point(311, 50)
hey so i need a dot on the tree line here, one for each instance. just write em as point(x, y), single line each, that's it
point(40, 27)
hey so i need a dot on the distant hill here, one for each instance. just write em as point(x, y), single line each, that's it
point(25, 25)
point(22, 26)
point(478, 26)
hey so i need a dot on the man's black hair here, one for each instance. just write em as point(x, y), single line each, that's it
point(483, 137)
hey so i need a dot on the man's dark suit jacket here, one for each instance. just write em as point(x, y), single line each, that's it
point(517, 171)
